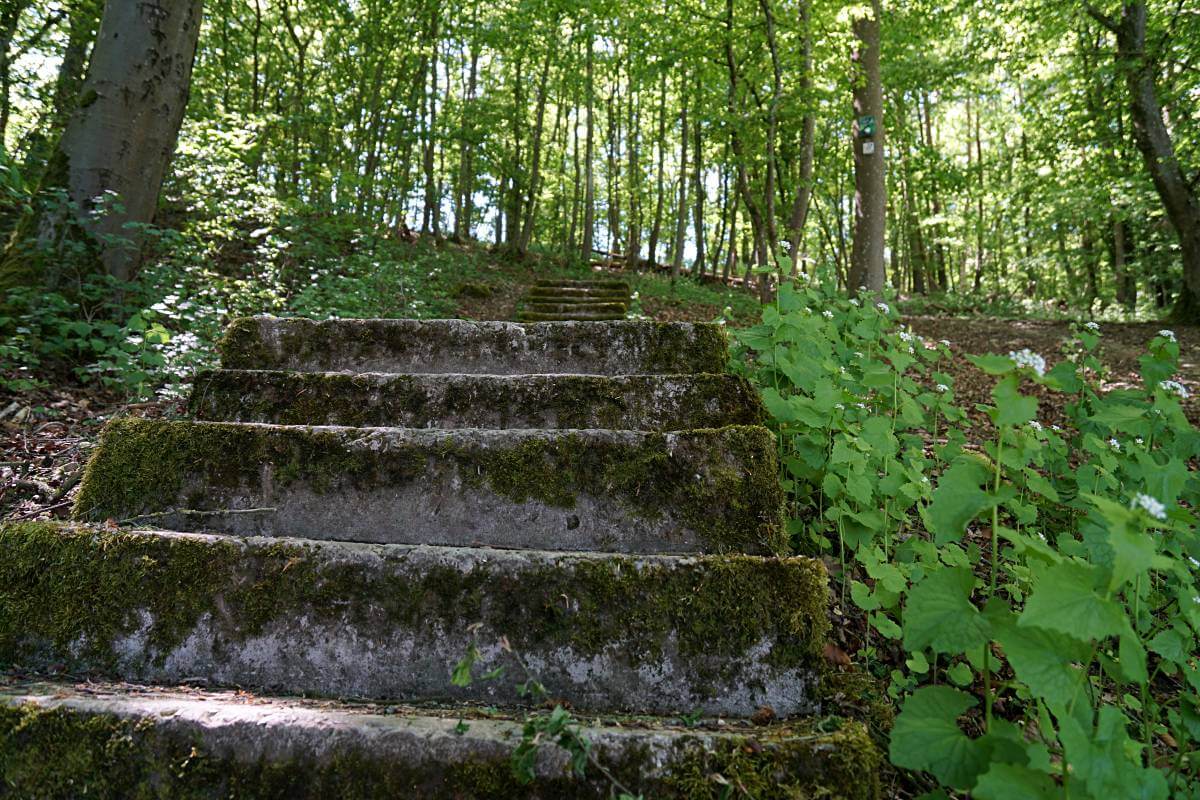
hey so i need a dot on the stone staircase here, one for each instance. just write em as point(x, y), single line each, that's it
point(577, 300)
point(356, 505)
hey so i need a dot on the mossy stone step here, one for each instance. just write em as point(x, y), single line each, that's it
point(111, 741)
point(565, 293)
point(461, 346)
point(549, 307)
point(600, 283)
point(637, 402)
point(707, 490)
point(644, 634)
point(567, 316)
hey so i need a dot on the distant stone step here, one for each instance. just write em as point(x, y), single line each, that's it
point(648, 634)
point(567, 316)
point(565, 293)
point(637, 402)
point(135, 741)
point(600, 283)
point(552, 307)
point(461, 346)
point(711, 490)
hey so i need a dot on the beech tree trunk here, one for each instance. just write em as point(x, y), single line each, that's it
point(589, 180)
point(870, 193)
point(119, 140)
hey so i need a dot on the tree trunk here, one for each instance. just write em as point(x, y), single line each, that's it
point(589, 193)
point(659, 192)
point(800, 206)
point(681, 217)
point(1177, 193)
point(870, 193)
point(535, 167)
point(119, 140)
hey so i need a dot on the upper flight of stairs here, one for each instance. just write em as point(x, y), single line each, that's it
point(579, 300)
point(357, 504)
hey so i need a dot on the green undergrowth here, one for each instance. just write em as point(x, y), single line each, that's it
point(70, 593)
point(1030, 600)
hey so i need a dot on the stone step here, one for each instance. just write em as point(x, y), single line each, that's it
point(599, 283)
point(565, 293)
point(549, 307)
point(638, 402)
point(121, 740)
point(647, 634)
point(461, 346)
point(566, 316)
point(708, 490)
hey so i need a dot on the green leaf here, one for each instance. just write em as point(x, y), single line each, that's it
point(939, 613)
point(1043, 660)
point(1101, 759)
point(1065, 600)
point(993, 364)
point(958, 499)
point(1012, 407)
point(926, 736)
point(1014, 782)
point(961, 674)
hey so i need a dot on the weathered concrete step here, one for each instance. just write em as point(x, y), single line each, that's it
point(111, 741)
point(709, 490)
point(547, 307)
point(637, 402)
point(646, 634)
point(599, 283)
point(497, 348)
point(578, 294)
point(566, 316)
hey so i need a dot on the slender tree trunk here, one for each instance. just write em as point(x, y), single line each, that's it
point(799, 214)
point(870, 192)
point(681, 217)
point(535, 167)
point(589, 180)
point(431, 213)
point(698, 191)
point(659, 192)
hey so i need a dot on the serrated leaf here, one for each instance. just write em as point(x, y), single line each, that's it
point(1014, 782)
point(993, 364)
point(958, 499)
point(1064, 599)
point(926, 736)
point(939, 613)
point(1012, 407)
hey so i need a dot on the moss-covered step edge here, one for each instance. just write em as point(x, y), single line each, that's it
point(600, 283)
point(567, 316)
point(706, 490)
point(637, 402)
point(132, 742)
point(540, 307)
point(643, 634)
point(567, 294)
point(462, 346)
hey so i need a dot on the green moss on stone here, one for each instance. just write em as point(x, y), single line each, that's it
point(242, 345)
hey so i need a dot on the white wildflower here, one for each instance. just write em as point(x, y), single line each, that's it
point(1139, 440)
point(854, 302)
point(943, 388)
point(906, 336)
point(1175, 387)
point(1028, 358)
point(944, 342)
point(1055, 427)
point(911, 351)
point(1094, 327)
point(827, 314)
point(839, 406)
point(1166, 334)
point(861, 405)
point(1114, 444)
point(1033, 423)
point(883, 308)
point(1150, 505)
point(859, 354)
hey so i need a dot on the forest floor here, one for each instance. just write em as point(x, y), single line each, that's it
point(46, 434)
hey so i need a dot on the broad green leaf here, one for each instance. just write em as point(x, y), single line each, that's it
point(1014, 782)
point(958, 499)
point(1012, 407)
point(1044, 660)
point(1065, 600)
point(926, 736)
point(993, 364)
point(939, 613)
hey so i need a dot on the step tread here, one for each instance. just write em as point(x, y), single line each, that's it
point(606, 632)
point(174, 738)
point(621, 490)
point(396, 345)
point(451, 400)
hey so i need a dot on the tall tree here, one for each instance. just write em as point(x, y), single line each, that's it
point(870, 192)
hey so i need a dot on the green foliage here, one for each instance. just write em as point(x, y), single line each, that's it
point(1050, 572)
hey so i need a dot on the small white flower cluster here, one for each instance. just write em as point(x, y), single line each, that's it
point(1174, 387)
point(854, 302)
point(1094, 327)
point(1150, 505)
point(906, 336)
point(1028, 358)
point(1167, 334)
point(943, 388)
point(1114, 444)
point(1139, 440)
point(944, 342)
point(883, 308)
point(1033, 423)
point(827, 314)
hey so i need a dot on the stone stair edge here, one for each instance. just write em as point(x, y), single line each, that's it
point(605, 632)
point(168, 738)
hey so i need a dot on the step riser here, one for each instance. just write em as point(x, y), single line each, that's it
point(649, 634)
point(458, 346)
point(617, 491)
point(578, 295)
point(565, 316)
point(598, 285)
point(216, 745)
point(576, 308)
point(649, 403)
